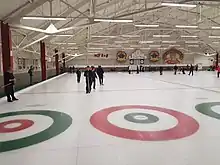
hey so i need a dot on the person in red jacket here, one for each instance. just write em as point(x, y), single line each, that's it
point(218, 71)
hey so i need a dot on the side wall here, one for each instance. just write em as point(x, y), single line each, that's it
point(111, 60)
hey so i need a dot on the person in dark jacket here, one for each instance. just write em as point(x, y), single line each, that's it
point(88, 76)
point(9, 82)
point(100, 73)
point(191, 70)
point(175, 69)
point(30, 72)
point(183, 70)
point(78, 74)
point(161, 70)
point(94, 77)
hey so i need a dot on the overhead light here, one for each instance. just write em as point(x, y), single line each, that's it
point(128, 48)
point(49, 18)
point(93, 51)
point(122, 42)
point(215, 42)
point(216, 27)
point(63, 35)
point(169, 42)
point(100, 44)
point(214, 36)
point(154, 46)
point(146, 42)
point(130, 36)
point(174, 45)
point(113, 20)
point(135, 46)
point(177, 5)
point(63, 43)
point(191, 42)
point(194, 46)
point(72, 48)
point(186, 26)
point(162, 36)
point(104, 36)
point(96, 48)
point(146, 25)
point(189, 36)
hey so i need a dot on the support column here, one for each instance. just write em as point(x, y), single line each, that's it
point(217, 56)
point(64, 62)
point(7, 57)
point(57, 62)
point(43, 61)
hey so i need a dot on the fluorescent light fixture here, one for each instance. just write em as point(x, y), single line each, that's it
point(162, 36)
point(154, 46)
point(194, 46)
point(174, 45)
point(215, 42)
point(147, 26)
point(72, 48)
point(113, 20)
point(63, 35)
point(122, 42)
point(100, 44)
point(44, 18)
point(135, 46)
point(94, 51)
point(214, 36)
point(104, 36)
point(128, 48)
point(216, 27)
point(186, 26)
point(146, 42)
point(96, 48)
point(177, 5)
point(63, 43)
point(189, 36)
point(169, 42)
point(130, 36)
point(191, 42)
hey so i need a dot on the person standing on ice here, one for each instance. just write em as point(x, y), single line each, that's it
point(94, 77)
point(88, 76)
point(78, 74)
point(218, 71)
point(161, 70)
point(175, 69)
point(191, 70)
point(100, 73)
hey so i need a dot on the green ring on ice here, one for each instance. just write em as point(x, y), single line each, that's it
point(61, 122)
point(206, 109)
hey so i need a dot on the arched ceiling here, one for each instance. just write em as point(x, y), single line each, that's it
point(80, 34)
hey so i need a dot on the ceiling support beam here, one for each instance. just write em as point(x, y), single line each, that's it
point(25, 11)
point(74, 8)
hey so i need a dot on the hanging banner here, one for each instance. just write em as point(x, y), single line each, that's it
point(137, 54)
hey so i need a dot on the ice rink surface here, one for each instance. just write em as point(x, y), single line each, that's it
point(131, 120)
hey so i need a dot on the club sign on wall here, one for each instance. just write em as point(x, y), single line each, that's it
point(154, 56)
point(173, 56)
point(121, 56)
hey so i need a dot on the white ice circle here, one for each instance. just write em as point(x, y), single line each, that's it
point(140, 117)
point(165, 122)
point(41, 123)
point(12, 125)
point(216, 109)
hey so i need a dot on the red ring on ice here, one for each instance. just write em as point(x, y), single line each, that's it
point(186, 125)
point(24, 124)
